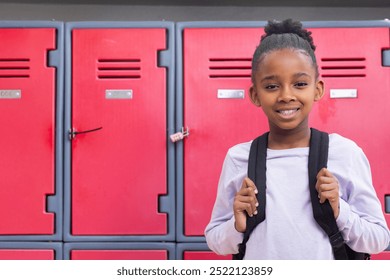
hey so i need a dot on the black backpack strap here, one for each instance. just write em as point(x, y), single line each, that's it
point(323, 213)
point(256, 172)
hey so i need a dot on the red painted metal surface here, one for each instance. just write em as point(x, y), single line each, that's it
point(381, 256)
point(204, 255)
point(119, 171)
point(28, 124)
point(26, 254)
point(356, 63)
point(119, 254)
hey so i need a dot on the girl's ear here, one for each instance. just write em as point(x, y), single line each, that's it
point(254, 96)
point(320, 90)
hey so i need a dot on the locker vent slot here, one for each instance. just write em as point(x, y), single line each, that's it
point(231, 68)
point(14, 68)
point(343, 67)
point(119, 68)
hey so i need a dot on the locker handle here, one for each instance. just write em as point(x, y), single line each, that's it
point(73, 132)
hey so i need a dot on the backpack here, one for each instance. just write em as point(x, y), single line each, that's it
point(323, 213)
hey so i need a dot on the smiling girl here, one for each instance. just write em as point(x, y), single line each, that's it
point(285, 85)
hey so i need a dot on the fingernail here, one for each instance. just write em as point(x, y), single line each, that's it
point(256, 191)
point(257, 204)
point(255, 213)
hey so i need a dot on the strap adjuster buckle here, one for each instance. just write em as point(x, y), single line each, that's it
point(336, 240)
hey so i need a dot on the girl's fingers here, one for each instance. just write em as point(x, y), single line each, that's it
point(248, 184)
point(247, 203)
point(245, 199)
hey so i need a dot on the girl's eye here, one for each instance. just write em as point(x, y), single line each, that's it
point(300, 84)
point(271, 87)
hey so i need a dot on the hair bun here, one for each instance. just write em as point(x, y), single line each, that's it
point(288, 26)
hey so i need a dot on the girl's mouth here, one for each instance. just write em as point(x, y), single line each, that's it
point(288, 113)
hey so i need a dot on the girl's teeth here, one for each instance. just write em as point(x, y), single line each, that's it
point(287, 112)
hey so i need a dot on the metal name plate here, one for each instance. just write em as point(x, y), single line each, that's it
point(343, 93)
point(231, 93)
point(10, 93)
point(119, 94)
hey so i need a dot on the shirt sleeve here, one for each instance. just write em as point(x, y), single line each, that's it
point(361, 220)
point(221, 235)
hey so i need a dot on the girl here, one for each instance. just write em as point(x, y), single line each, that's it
point(285, 84)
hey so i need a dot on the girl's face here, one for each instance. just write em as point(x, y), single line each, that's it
point(286, 87)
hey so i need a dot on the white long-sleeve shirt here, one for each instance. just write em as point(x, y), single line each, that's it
point(289, 230)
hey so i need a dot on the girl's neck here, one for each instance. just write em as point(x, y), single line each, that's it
point(288, 139)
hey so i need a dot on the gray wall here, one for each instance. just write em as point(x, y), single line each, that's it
point(127, 12)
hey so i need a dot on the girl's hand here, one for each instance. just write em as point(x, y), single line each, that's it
point(245, 201)
point(328, 189)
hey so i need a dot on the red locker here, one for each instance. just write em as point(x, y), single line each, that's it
point(119, 251)
point(27, 144)
point(204, 255)
point(27, 254)
point(217, 110)
point(357, 94)
point(219, 58)
point(30, 250)
point(119, 255)
point(119, 170)
point(382, 256)
point(197, 251)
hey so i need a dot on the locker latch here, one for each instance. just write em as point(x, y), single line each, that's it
point(178, 136)
point(73, 132)
point(386, 58)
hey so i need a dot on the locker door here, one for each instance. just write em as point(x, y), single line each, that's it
point(204, 255)
point(382, 256)
point(119, 251)
point(119, 255)
point(30, 250)
point(217, 111)
point(119, 169)
point(197, 251)
point(26, 254)
point(357, 94)
point(27, 121)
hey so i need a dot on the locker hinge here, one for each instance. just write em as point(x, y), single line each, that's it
point(386, 58)
point(178, 136)
point(72, 132)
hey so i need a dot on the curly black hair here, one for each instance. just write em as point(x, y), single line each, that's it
point(287, 34)
point(288, 26)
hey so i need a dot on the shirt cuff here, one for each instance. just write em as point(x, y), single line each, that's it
point(344, 213)
point(235, 236)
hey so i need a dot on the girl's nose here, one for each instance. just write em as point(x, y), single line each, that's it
point(286, 95)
